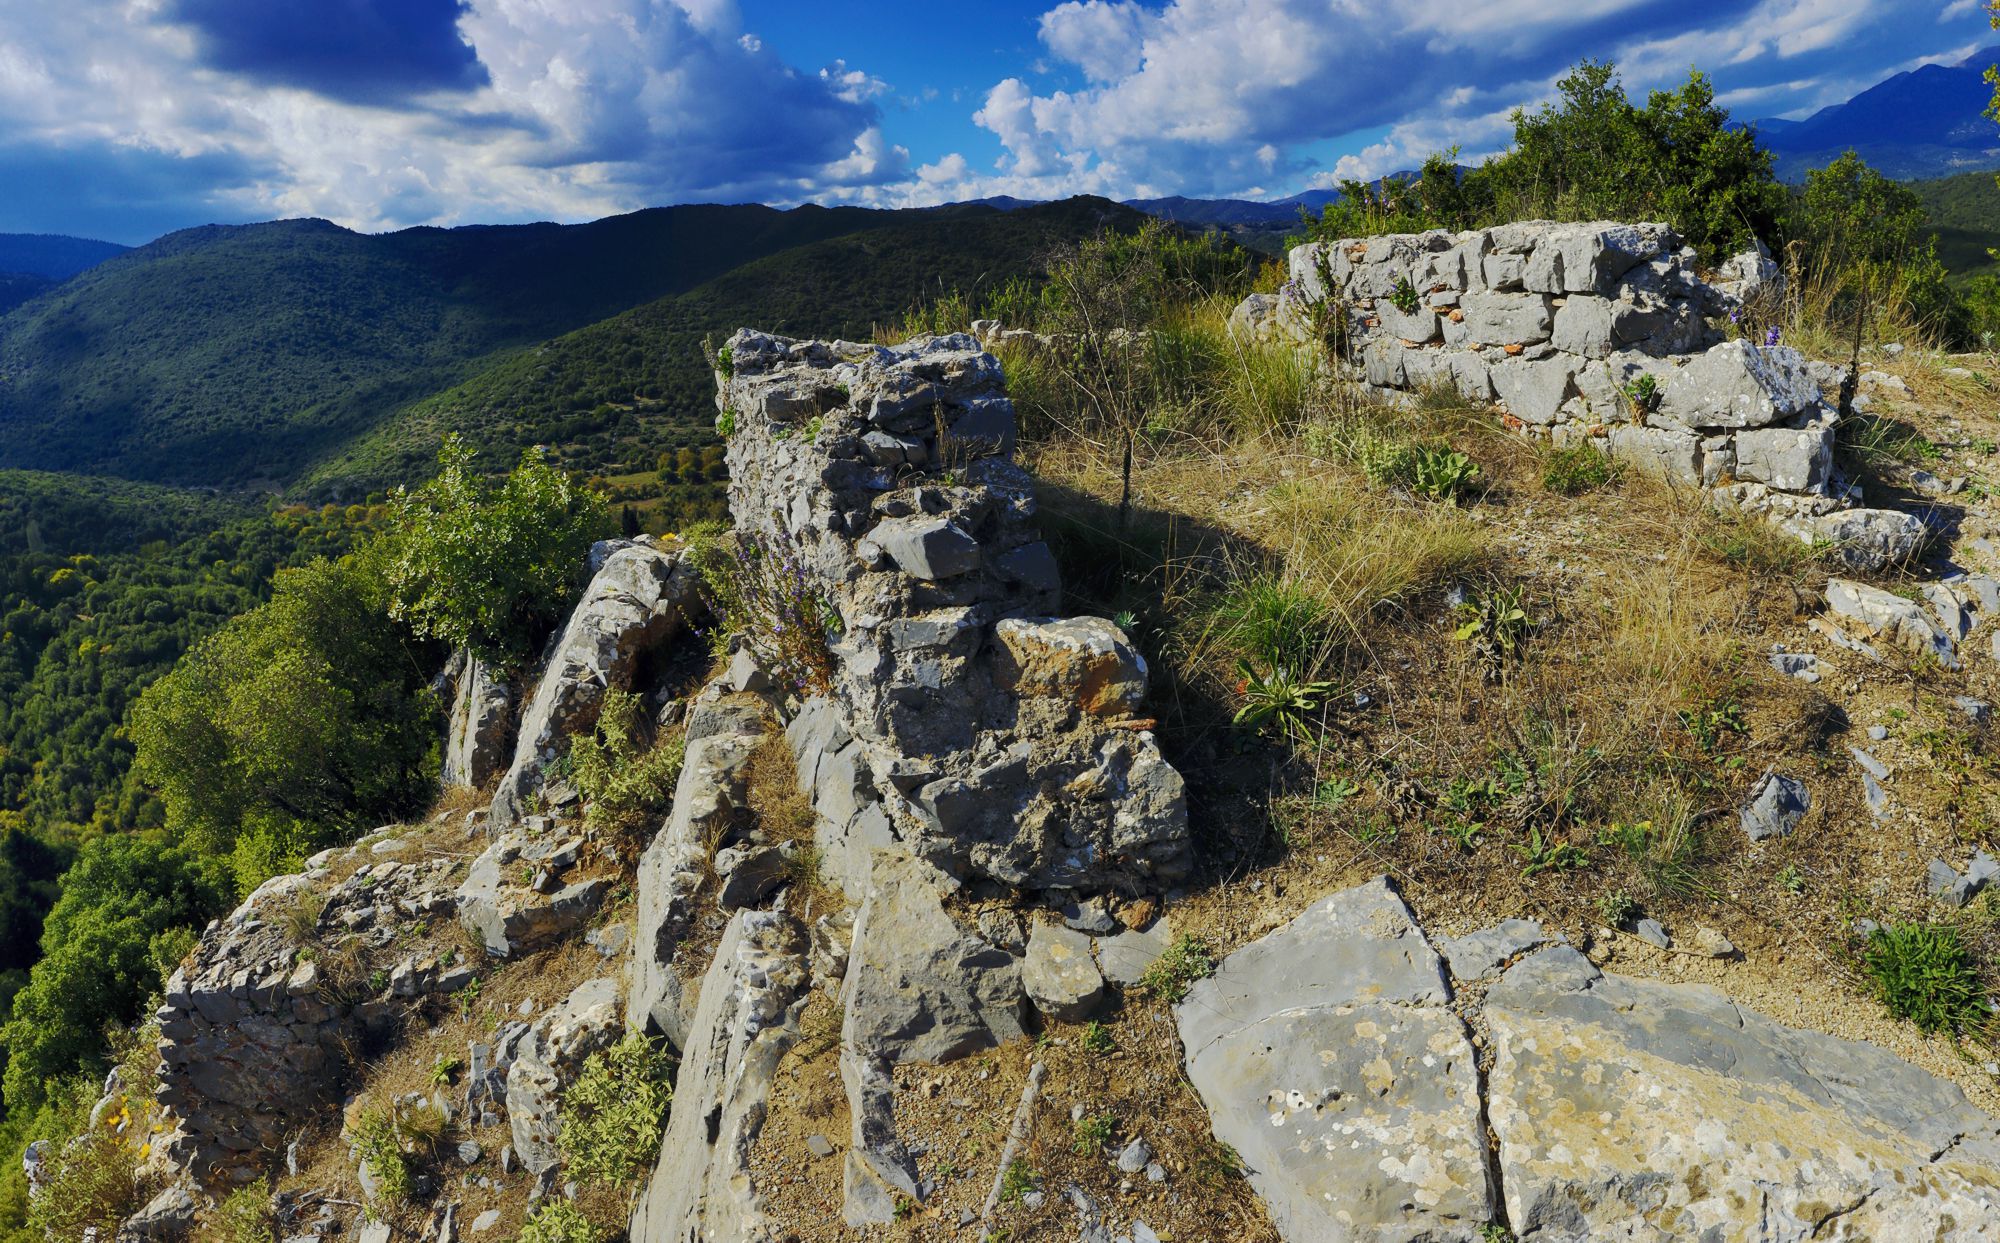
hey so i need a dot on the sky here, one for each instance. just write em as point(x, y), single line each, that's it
point(126, 119)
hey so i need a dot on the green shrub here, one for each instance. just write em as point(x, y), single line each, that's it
point(1091, 1135)
point(88, 1182)
point(1576, 470)
point(379, 1146)
point(612, 1114)
point(300, 718)
point(1923, 973)
point(559, 1221)
point(753, 584)
point(624, 782)
point(490, 568)
point(244, 1216)
point(102, 945)
point(1186, 960)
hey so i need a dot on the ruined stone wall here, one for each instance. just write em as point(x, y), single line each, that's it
point(1599, 333)
point(963, 721)
point(256, 1032)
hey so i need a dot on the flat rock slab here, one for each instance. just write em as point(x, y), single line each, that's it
point(1327, 1058)
point(1630, 1109)
point(1479, 954)
point(1125, 956)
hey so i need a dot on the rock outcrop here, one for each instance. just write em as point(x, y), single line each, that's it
point(1333, 1055)
point(1327, 1055)
point(745, 1022)
point(481, 722)
point(640, 595)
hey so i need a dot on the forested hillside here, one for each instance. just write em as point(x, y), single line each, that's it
point(613, 398)
point(235, 355)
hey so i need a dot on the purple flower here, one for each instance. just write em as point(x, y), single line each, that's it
point(1771, 337)
point(1736, 316)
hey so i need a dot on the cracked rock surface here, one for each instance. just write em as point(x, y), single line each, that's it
point(1620, 1108)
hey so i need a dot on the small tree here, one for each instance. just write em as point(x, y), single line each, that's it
point(489, 568)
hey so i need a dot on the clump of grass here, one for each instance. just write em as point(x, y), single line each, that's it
point(612, 1114)
point(1279, 622)
point(1188, 959)
point(244, 1216)
point(1578, 469)
point(1922, 972)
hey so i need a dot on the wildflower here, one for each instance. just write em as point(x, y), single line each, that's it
point(1771, 337)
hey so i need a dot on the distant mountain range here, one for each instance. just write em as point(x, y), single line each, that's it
point(33, 262)
point(256, 356)
point(1928, 122)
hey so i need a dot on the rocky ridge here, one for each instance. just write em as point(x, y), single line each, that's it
point(960, 747)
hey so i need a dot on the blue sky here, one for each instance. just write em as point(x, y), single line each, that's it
point(129, 118)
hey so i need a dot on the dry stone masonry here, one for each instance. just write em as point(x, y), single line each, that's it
point(1597, 333)
point(254, 1032)
point(987, 737)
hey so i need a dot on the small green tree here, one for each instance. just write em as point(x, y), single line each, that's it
point(101, 946)
point(299, 720)
point(489, 567)
point(1867, 244)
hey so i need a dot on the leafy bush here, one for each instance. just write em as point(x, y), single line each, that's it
point(302, 717)
point(1577, 469)
point(1867, 260)
point(1591, 154)
point(1923, 973)
point(612, 1114)
point(1441, 472)
point(1186, 960)
point(244, 1216)
point(489, 568)
point(756, 587)
point(625, 783)
point(378, 1144)
point(1090, 1135)
point(89, 1185)
point(100, 945)
point(559, 1221)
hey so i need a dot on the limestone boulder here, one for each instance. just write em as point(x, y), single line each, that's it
point(640, 598)
point(1328, 1058)
point(1738, 384)
point(548, 1059)
point(1868, 539)
point(1870, 612)
point(1087, 661)
point(477, 734)
point(1633, 1109)
point(721, 737)
point(1059, 975)
point(747, 1020)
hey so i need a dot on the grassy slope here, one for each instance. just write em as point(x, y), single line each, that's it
point(234, 355)
point(616, 394)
